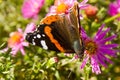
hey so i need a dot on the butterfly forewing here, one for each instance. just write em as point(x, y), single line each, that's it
point(59, 33)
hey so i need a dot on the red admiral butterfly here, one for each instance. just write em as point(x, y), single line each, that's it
point(59, 33)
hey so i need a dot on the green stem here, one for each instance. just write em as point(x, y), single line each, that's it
point(112, 18)
point(86, 73)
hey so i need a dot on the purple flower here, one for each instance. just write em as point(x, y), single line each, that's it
point(63, 6)
point(31, 8)
point(97, 48)
point(17, 39)
point(114, 8)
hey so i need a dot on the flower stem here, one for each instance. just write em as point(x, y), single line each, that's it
point(86, 73)
point(112, 18)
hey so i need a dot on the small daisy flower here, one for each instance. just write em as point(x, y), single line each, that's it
point(97, 48)
point(16, 42)
point(63, 6)
point(114, 8)
point(31, 8)
point(17, 39)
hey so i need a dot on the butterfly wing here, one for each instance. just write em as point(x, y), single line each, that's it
point(40, 38)
point(59, 33)
point(52, 35)
point(68, 27)
point(78, 43)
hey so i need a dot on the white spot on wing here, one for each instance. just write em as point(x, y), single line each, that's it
point(38, 36)
point(43, 35)
point(34, 37)
point(43, 43)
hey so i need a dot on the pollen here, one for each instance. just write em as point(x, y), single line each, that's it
point(91, 47)
point(15, 38)
point(62, 8)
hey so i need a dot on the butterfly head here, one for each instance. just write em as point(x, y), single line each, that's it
point(29, 37)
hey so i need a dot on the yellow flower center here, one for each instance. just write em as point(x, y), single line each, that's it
point(62, 8)
point(91, 47)
point(14, 38)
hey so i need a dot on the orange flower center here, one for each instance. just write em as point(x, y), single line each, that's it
point(62, 8)
point(14, 38)
point(91, 47)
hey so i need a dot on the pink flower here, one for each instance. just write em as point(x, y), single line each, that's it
point(16, 42)
point(31, 8)
point(55, 59)
point(63, 6)
point(97, 49)
point(114, 8)
point(17, 39)
point(30, 27)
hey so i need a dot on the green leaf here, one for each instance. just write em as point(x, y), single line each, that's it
point(4, 45)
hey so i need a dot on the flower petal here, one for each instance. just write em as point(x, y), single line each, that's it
point(30, 27)
point(95, 66)
point(109, 46)
point(83, 4)
point(108, 51)
point(83, 33)
point(105, 58)
point(24, 43)
point(118, 2)
point(102, 35)
point(107, 39)
point(100, 29)
point(113, 8)
point(22, 50)
point(14, 50)
point(84, 62)
point(31, 8)
point(101, 59)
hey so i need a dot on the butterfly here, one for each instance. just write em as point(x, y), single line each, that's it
point(60, 33)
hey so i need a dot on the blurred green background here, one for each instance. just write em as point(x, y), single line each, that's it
point(39, 64)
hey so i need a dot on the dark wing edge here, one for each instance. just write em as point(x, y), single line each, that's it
point(75, 20)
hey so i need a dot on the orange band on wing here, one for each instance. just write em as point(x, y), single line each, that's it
point(49, 19)
point(47, 31)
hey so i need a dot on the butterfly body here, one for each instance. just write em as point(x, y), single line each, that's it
point(59, 33)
